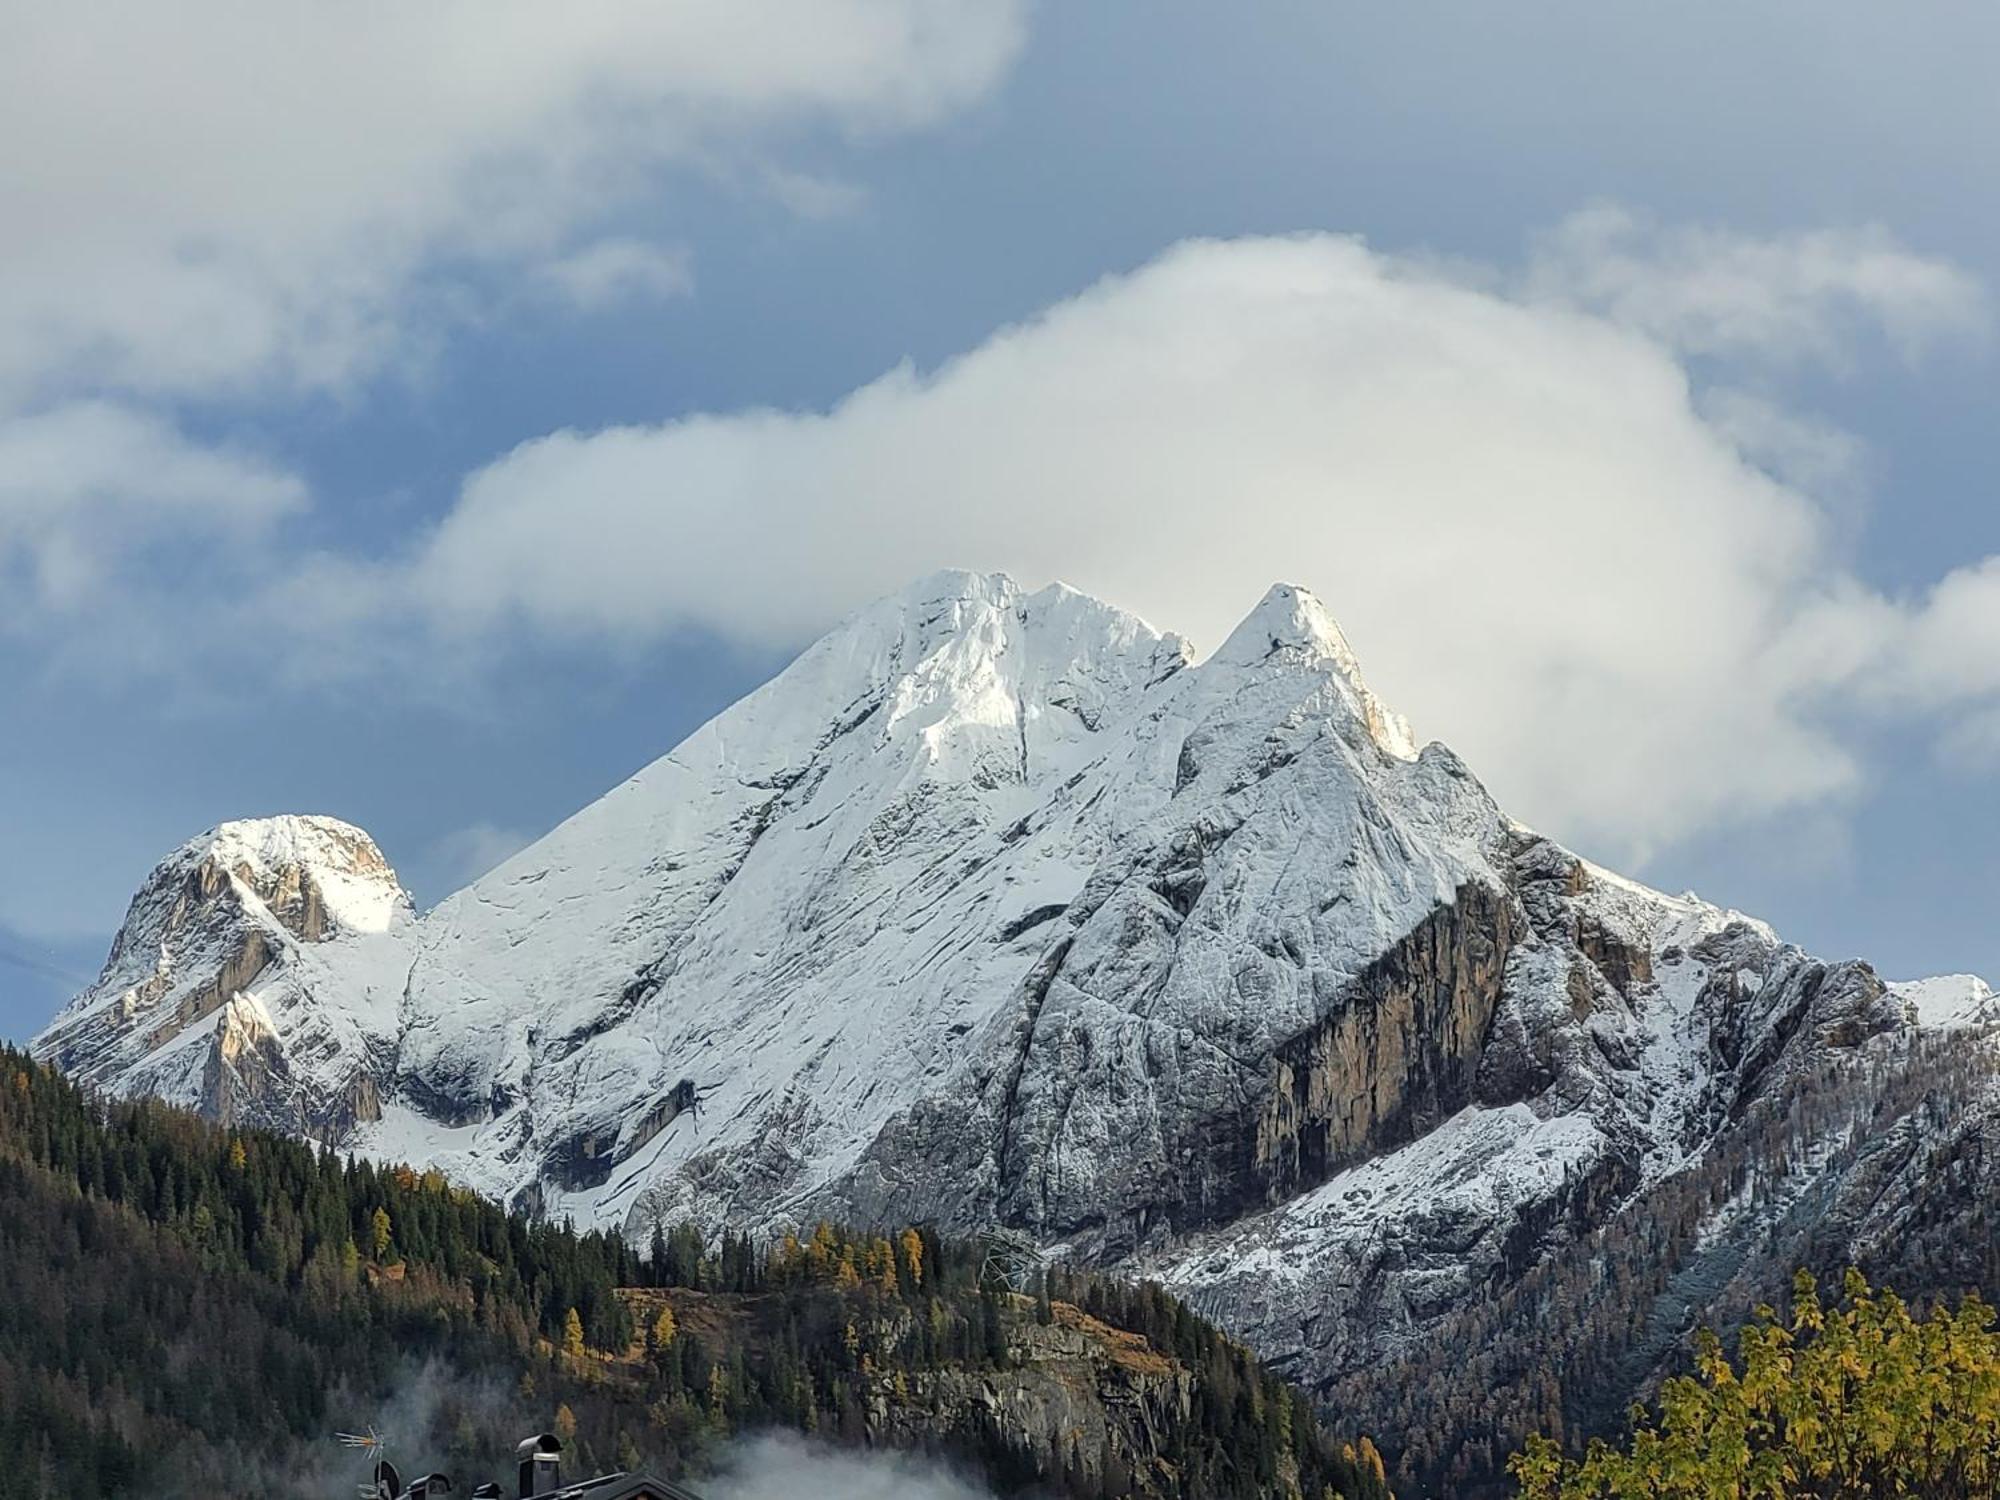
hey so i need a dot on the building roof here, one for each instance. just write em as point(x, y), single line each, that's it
point(639, 1486)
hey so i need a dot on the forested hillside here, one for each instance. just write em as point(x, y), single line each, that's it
point(193, 1310)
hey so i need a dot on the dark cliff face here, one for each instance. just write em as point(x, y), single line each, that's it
point(1401, 1054)
point(1103, 1398)
point(247, 1079)
point(1792, 1011)
point(1398, 1051)
point(1225, 1124)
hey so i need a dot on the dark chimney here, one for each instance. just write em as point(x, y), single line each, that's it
point(541, 1464)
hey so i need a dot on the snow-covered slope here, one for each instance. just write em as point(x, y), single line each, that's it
point(791, 909)
point(1949, 1000)
point(998, 906)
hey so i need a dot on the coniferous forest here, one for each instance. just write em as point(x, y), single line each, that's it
point(196, 1310)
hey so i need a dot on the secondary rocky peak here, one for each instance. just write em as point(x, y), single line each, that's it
point(1949, 1000)
point(1287, 618)
point(247, 886)
point(1291, 626)
point(317, 875)
point(248, 940)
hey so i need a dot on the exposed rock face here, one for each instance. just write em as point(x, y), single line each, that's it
point(245, 1069)
point(240, 983)
point(999, 907)
point(1398, 1058)
point(1072, 1386)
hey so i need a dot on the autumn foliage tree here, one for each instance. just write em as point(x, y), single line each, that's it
point(1858, 1401)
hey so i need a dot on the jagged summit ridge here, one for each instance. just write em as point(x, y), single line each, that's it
point(920, 721)
point(962, 710)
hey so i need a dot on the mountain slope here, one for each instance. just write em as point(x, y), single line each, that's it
point(781, 909)
point(999, 907)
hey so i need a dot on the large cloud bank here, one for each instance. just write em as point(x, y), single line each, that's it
point(1615, 590)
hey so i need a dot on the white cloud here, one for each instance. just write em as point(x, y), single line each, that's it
point(1785, 298)
point(216, 196)
point(615, 270)
point(91, 491)
point(1952, 648)
point(225, 201)
point(1547, 550)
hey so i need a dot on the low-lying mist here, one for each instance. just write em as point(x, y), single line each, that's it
point(784, 1464)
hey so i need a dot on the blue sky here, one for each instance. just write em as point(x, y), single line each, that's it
point(1623, 381)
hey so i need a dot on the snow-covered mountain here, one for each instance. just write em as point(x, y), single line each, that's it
point(1000, 907)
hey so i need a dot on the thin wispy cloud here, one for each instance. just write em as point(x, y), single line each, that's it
point(1788, 299)
point(609, 272)
point(98, 499)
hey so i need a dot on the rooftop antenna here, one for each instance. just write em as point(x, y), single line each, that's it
point(387, 1483)
point(370, 1441)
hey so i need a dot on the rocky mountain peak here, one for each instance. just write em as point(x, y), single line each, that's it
point(316, 875)
point(236, 926)
point(1949, 1000)
point(1288, 618)
point(311, 878)
point(1291, 626)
